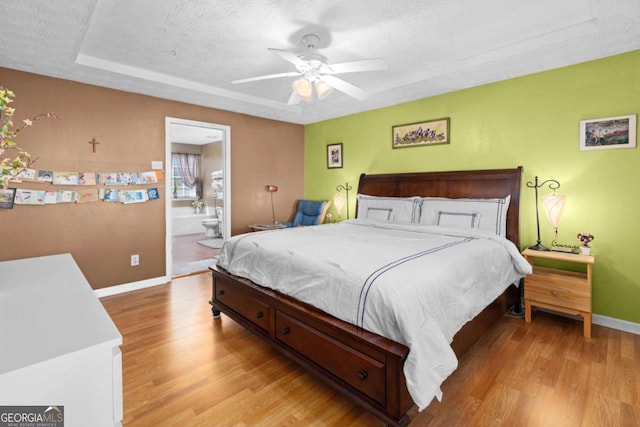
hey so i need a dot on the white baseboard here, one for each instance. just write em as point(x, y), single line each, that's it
point(133, 286)
point(613, 323)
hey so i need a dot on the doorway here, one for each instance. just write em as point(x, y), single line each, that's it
point(190, 132)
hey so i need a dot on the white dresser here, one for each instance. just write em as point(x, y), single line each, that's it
point(58, 345)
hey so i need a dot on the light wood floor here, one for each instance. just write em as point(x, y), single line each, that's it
point(185, 248)
point(186, 252)
point(183, 368)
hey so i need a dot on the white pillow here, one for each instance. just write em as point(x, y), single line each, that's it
point(397, 210)
point(484, 214)
point(458, 219)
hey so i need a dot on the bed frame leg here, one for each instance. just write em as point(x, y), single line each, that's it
point(214, 313)
point(517, 306)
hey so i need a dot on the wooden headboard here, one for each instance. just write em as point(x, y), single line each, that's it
point(482, 184)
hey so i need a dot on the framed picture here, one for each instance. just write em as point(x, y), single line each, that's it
point(608, 133)
point(334, 155)
point(432, 132)
point(7, 195)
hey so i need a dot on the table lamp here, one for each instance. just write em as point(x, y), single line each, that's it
point(272, 189)
point(553, 185)
point(554, 207)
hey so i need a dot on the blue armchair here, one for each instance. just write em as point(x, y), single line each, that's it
point(309, 212)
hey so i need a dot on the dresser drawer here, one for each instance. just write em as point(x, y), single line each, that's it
point(242, 302)
point(565, 289)
point(359, 370)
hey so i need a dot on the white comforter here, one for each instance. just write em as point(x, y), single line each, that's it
point(417, 285)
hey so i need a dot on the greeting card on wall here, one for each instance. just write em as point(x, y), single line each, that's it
point(50, 197)
point(27, 174)
point(132, 196)
point(65, 178)
point(153, 193)
point(135, 178)
point(87, 178)
point(29, 197)
point(87, 196)
point(124, 178)
point(44, 176)
point(109, 178)
point(66, 196)
point(109, 195)
point(149, 177)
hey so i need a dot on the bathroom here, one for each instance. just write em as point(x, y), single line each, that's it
point(197, 209)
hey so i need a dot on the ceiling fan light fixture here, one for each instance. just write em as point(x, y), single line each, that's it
point(302, 87)
point(323, 89)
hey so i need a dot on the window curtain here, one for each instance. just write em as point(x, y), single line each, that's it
point(188, 165)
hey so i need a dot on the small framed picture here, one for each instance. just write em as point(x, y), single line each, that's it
point(608, 133)
point(7, 195)
point(334, 155)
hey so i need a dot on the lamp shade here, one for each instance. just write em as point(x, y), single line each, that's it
point(553, 207)
point(323, 89)
point(338, 202)
point(302, 87)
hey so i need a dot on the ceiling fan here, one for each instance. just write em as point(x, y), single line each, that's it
point(317, 73)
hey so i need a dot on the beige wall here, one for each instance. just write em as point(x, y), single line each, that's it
point(130, 128)
point(211, 161)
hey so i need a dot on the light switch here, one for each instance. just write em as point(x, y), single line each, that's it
point(156, 164)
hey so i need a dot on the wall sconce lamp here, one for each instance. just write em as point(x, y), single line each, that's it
point(554, 206)
point(339, 198)
point(272, 189)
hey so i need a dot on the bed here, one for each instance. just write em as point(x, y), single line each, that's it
point(358, 355)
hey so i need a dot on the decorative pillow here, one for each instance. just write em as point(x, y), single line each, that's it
point(458, 219)
point(397, 210)
point(484, 214)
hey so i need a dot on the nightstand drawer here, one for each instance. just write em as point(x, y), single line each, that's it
point(564, 289)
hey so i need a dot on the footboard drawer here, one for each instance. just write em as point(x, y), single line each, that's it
point(242, 302)
point(359, 370)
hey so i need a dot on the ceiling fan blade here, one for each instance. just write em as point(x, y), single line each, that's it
point(373, 64)
point(268, 76)
point(289, 56)
point(345, 87)
point(294, 99)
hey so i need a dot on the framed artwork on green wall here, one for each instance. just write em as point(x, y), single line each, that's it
point(334, 155)
point(608, 133)
point(432, 132)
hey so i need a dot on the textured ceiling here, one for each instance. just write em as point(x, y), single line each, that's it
point(191, 50)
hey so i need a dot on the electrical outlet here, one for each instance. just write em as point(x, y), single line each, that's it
point(135, 260)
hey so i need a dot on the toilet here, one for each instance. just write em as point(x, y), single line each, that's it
point(211, 225)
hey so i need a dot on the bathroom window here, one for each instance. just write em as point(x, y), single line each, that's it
point(185, 176)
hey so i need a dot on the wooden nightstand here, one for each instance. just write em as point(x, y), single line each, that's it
point(264, 227)
point(559, 290)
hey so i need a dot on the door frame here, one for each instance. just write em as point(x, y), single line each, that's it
point(226, 189)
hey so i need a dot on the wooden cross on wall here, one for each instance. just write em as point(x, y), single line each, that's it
point(94, 142)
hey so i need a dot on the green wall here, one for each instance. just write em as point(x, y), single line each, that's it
point(529, 121)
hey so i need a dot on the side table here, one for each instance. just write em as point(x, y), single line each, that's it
point(559, 290)
point(264, 227)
